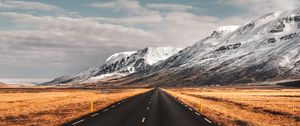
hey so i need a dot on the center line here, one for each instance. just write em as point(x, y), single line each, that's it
point(148, 108)
point(143, 120)
point(78, 122)
point(105, 110)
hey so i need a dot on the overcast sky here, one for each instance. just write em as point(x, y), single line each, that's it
point(50, 38)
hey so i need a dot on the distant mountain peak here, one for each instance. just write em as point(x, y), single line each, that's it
point(264, 49)
point(120, 64)
point(118, 56)
point(223, 31)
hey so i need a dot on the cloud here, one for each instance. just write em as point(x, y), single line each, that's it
point(107, 5)
point(260, 7)
point(56, 41)
point(134, 7)
point(27, 5)
point(130, 6)
point(60, 44)
point(171, 7)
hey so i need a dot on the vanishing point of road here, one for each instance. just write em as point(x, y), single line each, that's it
point(153, 108)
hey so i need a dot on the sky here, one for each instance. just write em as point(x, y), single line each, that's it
point(51, 38)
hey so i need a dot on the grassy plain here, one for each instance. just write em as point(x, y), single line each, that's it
point(253, 106)
point(52, 107)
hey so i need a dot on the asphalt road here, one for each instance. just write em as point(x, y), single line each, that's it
point(153, 108)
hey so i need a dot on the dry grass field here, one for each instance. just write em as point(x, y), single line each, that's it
point(244, 106)
point(52, 107)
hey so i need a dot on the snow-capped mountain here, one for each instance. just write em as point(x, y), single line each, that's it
point(265, 49)
point(119, 65)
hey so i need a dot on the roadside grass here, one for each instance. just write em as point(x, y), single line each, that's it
point(253, 107)
point(21, 107)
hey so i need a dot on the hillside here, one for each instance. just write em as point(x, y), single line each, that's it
point(119, 65)
point(262, 50)
point(265, 49)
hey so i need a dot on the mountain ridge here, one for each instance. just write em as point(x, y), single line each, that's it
point(119, 65)
point(264, 49)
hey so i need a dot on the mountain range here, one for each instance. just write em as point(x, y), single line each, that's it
point(265, 49)
point(120, 65)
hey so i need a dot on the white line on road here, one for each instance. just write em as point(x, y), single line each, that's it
point(143, 120)
point(148, 108)
point(185, 105)
point(149, 102)
point(191, 109)
point(78, 122)
point(197, 113)
point(113, 106)
point(95, 114)
point(207, 120)
point(105, 110)
point(119, 103)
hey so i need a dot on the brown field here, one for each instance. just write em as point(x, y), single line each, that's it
point(52, 107)
point(244, 106)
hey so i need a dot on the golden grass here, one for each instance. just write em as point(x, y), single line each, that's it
point(254, 107)
point(19, 107)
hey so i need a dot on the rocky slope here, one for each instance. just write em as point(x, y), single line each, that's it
point(265, 49)
point(119, 65)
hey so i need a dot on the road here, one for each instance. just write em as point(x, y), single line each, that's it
point(153, 108)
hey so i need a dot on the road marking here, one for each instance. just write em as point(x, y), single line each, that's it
point(207, 120)
point(185, 105)
point(143, 120)
point(113, 106)
point(191, 109)
point(148, 108)
point(95, 114)
point(78, 122)
point(105, 110)
point(119, 103)
point(149, 102)
point(197, 113)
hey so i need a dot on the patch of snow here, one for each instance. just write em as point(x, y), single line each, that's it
point(120, 64)
point(118, 56)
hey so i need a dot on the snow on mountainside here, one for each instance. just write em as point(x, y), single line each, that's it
point(118, 56)
point(265, 49)
point(120, 64)
point(199, 48)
